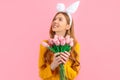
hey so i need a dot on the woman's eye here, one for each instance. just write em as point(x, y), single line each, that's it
point(60, 19)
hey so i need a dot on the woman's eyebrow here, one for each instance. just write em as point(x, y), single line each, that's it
point(58, 17)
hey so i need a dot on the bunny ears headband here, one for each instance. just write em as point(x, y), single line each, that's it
point(69, 10)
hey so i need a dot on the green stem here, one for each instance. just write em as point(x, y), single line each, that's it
point(52, 49)
point(62, 72)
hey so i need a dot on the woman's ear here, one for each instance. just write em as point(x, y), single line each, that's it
point(67, 27)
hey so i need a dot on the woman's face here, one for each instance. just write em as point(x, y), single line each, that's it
point(59, 23)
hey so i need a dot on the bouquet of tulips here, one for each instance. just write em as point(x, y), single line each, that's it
point(60, 44)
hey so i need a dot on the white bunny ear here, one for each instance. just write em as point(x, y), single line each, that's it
point(60, 7)
point(72, 8)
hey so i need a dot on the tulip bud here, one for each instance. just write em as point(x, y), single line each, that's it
point(63, 41)
point(45, 44)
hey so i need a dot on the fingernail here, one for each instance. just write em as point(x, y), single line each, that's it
point(65, 51)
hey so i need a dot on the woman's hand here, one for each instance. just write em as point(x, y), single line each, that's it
point(59, 58)
point(64, 56)
point(56, 61)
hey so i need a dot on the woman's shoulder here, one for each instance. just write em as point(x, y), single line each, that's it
point(45, 40)
point(77, 47)
point(77, 44)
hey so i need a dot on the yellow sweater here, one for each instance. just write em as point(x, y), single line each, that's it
point(46, 74)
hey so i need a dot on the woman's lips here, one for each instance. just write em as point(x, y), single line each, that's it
point(55, 26)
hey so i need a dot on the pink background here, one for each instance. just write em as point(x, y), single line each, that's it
point(25, 23)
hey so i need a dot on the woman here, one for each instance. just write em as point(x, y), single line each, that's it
point(49, 62)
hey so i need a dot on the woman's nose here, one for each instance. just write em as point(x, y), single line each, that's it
point(56, 21)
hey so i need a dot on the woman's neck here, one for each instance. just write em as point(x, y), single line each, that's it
point(60, 33)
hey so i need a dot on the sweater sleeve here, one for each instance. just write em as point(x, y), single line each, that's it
point(46, 72)
point(70, 72)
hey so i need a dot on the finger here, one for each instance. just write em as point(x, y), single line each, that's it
point(67, 53)
point(58, 58)
point(57, 54)
point(63, 57)
point(63, 61)
point(60, 62)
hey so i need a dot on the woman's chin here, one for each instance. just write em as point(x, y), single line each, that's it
point(55, 30)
